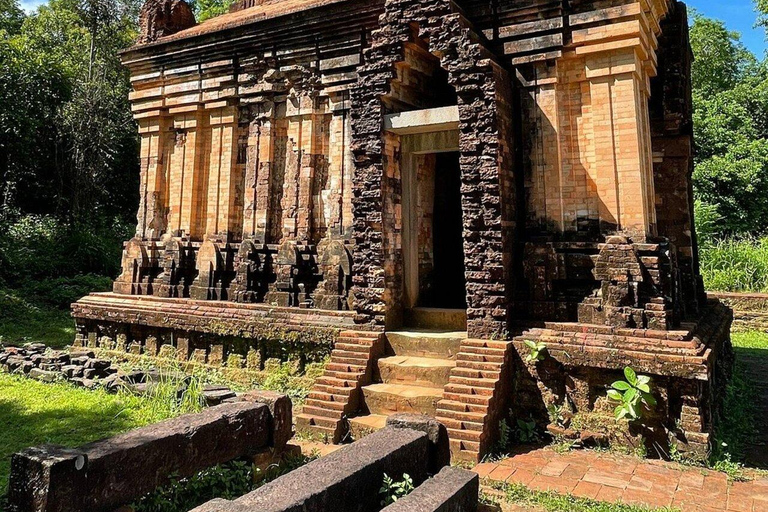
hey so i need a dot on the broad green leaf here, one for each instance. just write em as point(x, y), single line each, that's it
point(643, 379)
point(630, 396)
point(649, 399)
point(644, 387)
point(530, 344)
point(615, 395)
point(621, 385)
point(631, 376)
point(632, 411)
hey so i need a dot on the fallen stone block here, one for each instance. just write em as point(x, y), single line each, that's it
point(44, 375)
point(98, 364)
point(217, 396)
point(35, 348)
point(102, 476)
point(55, 357)
point(80, 352)
point(347, 480)
point(440, 448)
point(80, 360)
point(451, 490)
point(281, 410)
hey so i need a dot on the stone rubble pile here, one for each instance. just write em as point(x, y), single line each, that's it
point(82, 368)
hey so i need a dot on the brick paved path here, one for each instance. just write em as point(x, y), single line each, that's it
point(613, 478)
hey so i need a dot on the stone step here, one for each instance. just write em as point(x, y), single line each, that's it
point(479, 358)
point(337, 383)
point(469, 373)
point(417, 371)
point(336, 391)
point(466, 435)
point(319, 411)
point(473, 416)
point(310, 420)
point(388, 399)
point(347, 354)
point(462, 395)
point(327, 405)
point(464, 450)
point(455, 406)
point(425, 343)
point(355, 349)
point(339, 359)
point(342, 367)
point(474, 382)
point(452, 424)
point(363, 425)
point(434, 318)
point(477, 365)
point(468, 390)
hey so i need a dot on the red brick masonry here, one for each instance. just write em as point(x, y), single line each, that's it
point(614, 478)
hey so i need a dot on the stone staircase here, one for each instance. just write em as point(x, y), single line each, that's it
point(432, 369)
point(409, 379)
point(336, 395)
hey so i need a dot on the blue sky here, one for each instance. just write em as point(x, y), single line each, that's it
point(738, 15)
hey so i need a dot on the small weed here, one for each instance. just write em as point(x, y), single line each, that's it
point(391, 491)
point(538, 351)
point(526, 431)
point(631, 394)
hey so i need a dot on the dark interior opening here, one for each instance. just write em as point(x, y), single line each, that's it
point(447, 279)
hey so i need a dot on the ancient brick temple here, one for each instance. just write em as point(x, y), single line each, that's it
point(424, 185)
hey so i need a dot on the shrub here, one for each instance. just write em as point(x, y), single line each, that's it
point(735, 265)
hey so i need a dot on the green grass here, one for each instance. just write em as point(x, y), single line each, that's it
point(736, 426)
point(34, 413)
point(555, 502)
point(24, 320)
point(733, 265)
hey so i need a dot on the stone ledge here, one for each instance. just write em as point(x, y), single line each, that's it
point(101, 476)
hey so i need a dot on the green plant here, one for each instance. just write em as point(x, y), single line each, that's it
point(391, 491)
point(227, 481)
point(538, 351)
point(526, 431)
point(632, 394)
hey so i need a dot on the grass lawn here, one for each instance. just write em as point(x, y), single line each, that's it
point(24, 320)
point(34, 413)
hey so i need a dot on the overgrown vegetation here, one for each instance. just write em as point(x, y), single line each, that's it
point(554, 502)
point(735, 265)
point(632, 394)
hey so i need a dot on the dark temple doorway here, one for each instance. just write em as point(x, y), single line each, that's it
point(444, 285)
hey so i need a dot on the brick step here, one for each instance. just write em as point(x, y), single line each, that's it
point(417, 371)
point(317, 421)
point(476, 417)
point(320, 412)
point(474, 382)
point(466, 435)
point(337, 359)
point(343, 392)
point(470, 399)
point(452, 424)
point(478, 365)
point(499, 345)
point(486, 351)
point(330, 406)
point(322, 396)
point(464, 450)
point(346, 376)
point(479, 358)
point(425, 343)
point(343, 367)
point(388, 399)
point(347, 354)
point(470, 390)
point(461, 407)
point(352, 348)
point(363, 425)
point(469, 373)
point(337, 383)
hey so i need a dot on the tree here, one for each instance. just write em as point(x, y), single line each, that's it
point(721, 58)
point(11, 16)
point(206, 9)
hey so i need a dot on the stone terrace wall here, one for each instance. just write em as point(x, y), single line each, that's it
point(750, 310)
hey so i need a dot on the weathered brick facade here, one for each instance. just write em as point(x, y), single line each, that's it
point(291, 174)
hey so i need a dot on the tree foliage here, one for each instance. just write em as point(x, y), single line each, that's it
point(206, 9)
point(730, 95)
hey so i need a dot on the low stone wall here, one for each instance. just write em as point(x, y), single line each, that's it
point(101, 476)
point(83, 368)
point(750, 310)
point(349, 479)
